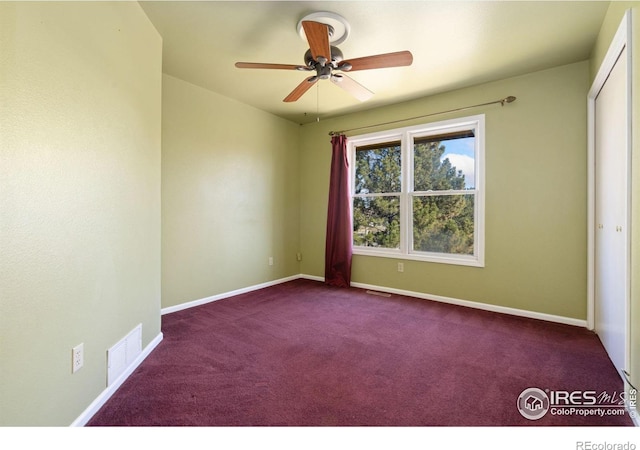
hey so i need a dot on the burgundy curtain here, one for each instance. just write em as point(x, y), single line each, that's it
point(337, 269)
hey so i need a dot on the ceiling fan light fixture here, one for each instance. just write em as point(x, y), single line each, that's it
point(324, 72)
point(339, 28)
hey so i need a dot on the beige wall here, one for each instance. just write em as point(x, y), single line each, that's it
point(535, 196)
point(80, 85)
point(608, 30)
point(229, 194)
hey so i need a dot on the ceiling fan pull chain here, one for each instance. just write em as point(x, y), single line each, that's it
point(318, 103)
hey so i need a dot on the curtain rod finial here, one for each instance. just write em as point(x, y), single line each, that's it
point(509, 99)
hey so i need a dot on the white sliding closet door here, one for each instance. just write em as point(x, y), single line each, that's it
point(611, 243)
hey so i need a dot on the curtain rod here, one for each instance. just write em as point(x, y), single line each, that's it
point(508, 99)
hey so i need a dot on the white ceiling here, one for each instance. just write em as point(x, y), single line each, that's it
point(454, 44)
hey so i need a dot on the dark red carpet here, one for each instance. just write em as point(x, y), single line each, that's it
point(304, 354)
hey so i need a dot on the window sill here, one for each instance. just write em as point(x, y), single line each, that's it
point(470, 261)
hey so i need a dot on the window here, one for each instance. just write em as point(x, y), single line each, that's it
point(418, 192)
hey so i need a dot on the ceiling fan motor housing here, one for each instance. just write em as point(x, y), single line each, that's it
point(336, 58)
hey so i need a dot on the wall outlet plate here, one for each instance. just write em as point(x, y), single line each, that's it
point(77, 358)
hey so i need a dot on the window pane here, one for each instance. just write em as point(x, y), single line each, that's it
point(378, 169)
point(376, 222)
point(444, 224)
point(446, 164)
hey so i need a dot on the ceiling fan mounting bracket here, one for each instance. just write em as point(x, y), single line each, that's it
point(339, 28)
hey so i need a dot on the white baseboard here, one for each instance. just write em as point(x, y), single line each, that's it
point(467, 303)
point(88, 413)
point(477, 305)
point(95, 406)
point(437, 298)
point(216, 297)
point(311, 277)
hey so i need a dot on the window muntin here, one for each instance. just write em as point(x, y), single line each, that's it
point(418, 192)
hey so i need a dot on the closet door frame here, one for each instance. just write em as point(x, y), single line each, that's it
point(621, 41)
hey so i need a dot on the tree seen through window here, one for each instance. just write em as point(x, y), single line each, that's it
point(441, 198)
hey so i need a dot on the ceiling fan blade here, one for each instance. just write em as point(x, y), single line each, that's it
point(396, 59)
point(352, 87)
point(301, 89)
point(318, 37)
point(249, 65)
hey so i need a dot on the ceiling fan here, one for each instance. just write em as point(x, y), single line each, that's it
point(325, 60)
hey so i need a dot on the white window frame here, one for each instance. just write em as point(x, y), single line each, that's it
point(406, 137)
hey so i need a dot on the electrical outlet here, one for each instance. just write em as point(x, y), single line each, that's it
point(271, 260)
point(77, 358)
point(400, 267)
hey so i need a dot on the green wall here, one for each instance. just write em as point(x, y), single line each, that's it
point(535, 240)
point(80, 84)
point(85, 216)
point(229, 195)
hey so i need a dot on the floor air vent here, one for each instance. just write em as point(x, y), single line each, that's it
point(379, 294)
